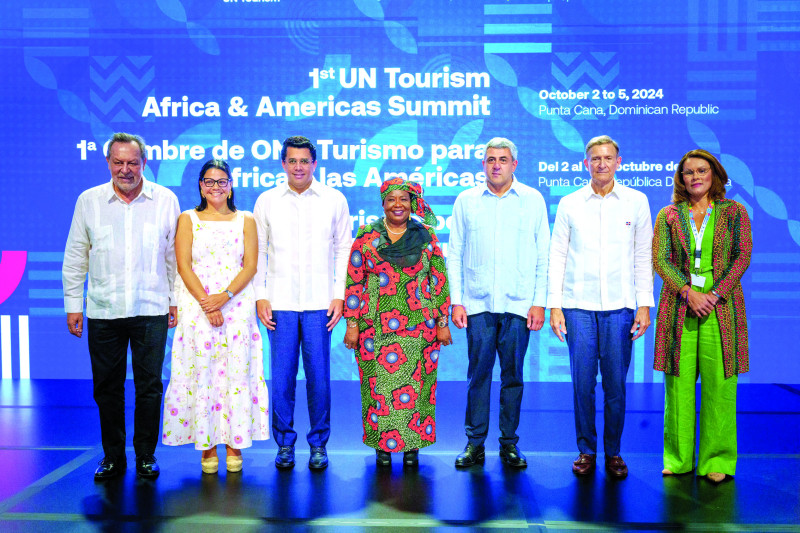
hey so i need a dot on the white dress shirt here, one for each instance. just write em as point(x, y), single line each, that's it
point(303, 247)
point(127, 249)
point(497, 252)
point(600, 251)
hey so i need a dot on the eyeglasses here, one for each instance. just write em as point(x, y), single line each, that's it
point(223, 182)
point(700, 172)
point(304, 162)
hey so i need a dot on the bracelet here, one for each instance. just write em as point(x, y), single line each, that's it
point(715, 293)
point(352, 324)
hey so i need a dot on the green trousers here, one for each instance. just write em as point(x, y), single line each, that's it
point(701, 355)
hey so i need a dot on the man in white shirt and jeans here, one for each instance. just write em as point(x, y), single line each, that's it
point(304, 238)
point(123, 235)
point(600, 290)
point(497, 264)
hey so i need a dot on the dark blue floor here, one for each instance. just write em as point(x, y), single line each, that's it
point(49, 447)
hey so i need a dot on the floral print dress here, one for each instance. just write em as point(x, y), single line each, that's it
point(217, 393)
point(397, 351)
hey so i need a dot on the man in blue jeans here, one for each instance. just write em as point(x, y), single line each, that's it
point(304, 237)
point(497, 268)
point(599, 295)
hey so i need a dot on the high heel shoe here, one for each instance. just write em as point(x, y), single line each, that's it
point(234, 463)
point(210, 465)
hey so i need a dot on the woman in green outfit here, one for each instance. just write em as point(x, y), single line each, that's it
point(397, 305)
point(701, 249)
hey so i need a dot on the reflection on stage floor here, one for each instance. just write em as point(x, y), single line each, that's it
point(49, 447)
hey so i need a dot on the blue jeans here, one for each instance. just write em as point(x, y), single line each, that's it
point(604, 337)
point(489, 335)
point(294, 332)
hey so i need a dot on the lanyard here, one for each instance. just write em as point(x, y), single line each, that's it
point(698, 235)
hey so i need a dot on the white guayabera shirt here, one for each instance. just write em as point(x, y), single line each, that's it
point(497, 254)
point(128, 251)
point(303, 247)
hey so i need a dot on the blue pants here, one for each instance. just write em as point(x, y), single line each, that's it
point(489, 335)
point(294, 332)
point(603, 336)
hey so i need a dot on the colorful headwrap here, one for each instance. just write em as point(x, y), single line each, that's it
point(419, 206)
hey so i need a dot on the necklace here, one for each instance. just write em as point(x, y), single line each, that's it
point(395, 232)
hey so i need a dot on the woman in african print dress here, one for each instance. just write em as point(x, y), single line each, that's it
point(701, 327)
point(396, 305)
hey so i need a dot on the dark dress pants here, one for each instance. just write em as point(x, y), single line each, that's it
point(489, 335)
point(108, 350)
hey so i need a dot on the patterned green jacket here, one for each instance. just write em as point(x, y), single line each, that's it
point(732, 247)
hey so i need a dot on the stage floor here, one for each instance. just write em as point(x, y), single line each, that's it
point(49, 447)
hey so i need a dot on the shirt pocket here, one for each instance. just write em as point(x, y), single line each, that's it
point(477, 282)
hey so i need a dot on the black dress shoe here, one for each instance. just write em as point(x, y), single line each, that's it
point(318, 459)
point(285, 457)
point(411, 458)
point(109, 468)
point(147, 467)
point(383, 458)
point(471, 455)
point(510, 455)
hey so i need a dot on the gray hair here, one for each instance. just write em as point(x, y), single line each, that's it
point(601, 139)
point(502, 142)
point(121, 137)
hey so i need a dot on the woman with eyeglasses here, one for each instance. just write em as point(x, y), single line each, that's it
point(701, 249)
point(217, 393)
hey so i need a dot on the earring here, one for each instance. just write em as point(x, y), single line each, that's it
point(229, 195)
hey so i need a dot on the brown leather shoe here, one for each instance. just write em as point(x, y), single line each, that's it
point(616, 467)
point(584, 464)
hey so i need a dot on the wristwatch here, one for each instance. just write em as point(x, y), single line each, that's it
point(229, 293)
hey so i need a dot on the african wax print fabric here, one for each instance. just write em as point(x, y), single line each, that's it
point(397, 354)
point(731, 251)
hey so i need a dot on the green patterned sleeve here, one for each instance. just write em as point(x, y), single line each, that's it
point(741, 248)
point(356, 283)
point(666, 252)
point(437, 277)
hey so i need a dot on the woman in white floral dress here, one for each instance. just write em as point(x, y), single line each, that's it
point(217, 394)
